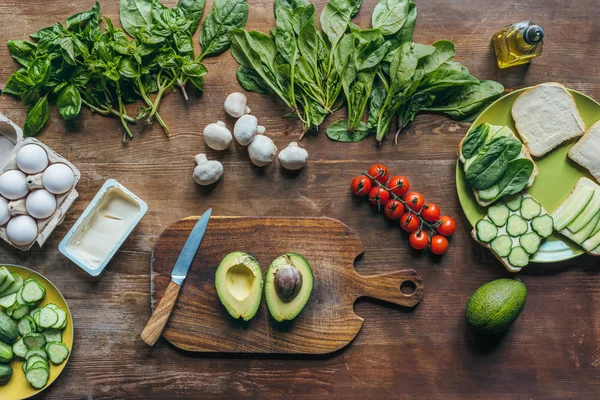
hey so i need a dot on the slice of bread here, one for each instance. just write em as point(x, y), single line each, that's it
point(586, 152)
point(546, 116)
point(566, 232)
point(524, 153)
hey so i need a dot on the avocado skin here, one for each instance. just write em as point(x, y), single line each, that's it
point(277, 307)
point(494, 306)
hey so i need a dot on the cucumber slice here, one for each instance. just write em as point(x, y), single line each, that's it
point(516, 225)
point(530, 242)
point(513, 201)
point(572, 207)
point(585, 232)
point(3, 275)
point(591, 243)
point(8, 301)
point(19, 348)
point(32, 291)
point(34, 340)
point(530, 208)
point(518, 257)
point(35, 359)
point(489, 193)
point(62, 319)
point(543, 225)
point(20, 312)
point(20, 298)
point(485, 231)
point(53, 335)
point(38, 364)
point(36, 352)
point(52, 306)
point(14, 287)
point(596, 229)
point(498, 213)
point(26, 325)
point(48, 317)
point(58, 352)
point(8, 280)
point(37, 377)
point(587, 213)
point(501, 245)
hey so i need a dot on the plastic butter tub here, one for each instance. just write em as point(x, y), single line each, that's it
point(103, 227)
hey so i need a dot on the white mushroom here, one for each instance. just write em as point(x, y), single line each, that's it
point(245, 128)
point(235, 105)
point(217, 136)
point(293, 157)
point(207, 172)
point(262, 151)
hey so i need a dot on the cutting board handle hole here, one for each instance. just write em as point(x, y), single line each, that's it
point(407, 288)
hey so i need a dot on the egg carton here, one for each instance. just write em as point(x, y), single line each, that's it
point(11, 140)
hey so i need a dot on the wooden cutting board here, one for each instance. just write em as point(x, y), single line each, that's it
point(200, 322)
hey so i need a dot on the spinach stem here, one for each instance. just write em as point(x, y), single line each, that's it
point(150, 104)
point(107, 111)
point(121, 112)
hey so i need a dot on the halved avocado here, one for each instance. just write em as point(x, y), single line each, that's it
point(288, 286)
point(239, 284)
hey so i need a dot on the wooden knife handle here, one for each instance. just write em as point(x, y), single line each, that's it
point(390, 287)
point(158, 320)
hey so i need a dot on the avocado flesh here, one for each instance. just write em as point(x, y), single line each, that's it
point(239, 284)
point(286, 311)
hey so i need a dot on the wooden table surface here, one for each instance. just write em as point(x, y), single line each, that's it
point(552, 352)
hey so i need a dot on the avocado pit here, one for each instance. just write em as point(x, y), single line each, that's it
point(288, 282)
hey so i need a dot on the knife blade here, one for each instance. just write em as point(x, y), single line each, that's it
point(156, 325)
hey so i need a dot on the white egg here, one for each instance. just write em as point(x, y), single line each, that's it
point(4, 214)
point(21, 230)
point(40, 204)
point(13, 184)
point(32, 159)
point(58, 178)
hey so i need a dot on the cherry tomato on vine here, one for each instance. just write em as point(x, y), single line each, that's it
point(447, 226)
point(430, 212)
point(414, 201)
point(399, 185)
point(361, 185)
point(418, 240)
point(379, 196)
point(439, 245)
point(379, 172)
point(393, 209)
point(409, 222)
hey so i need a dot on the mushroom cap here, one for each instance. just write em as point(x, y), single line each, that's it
point(245, 128)
point(262, 150)
point(207, 171)
point(217, 136)
point(235, 105)
point(293, 157)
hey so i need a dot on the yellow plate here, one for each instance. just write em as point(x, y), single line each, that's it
point(557, 178)
point(18, 387)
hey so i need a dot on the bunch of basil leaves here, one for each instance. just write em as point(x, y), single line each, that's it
point(85, 64)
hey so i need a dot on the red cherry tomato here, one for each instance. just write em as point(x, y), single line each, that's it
point(409, 222)
point(393, 209)
point(379, 196)
point(430, 212)
point(379, 172)
point(418, 240)
point(399, 185)
point(439, 245)
point(361, 185)
point(447, 226)
point(414, 201)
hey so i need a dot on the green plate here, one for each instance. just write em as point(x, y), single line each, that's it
point(557, 177)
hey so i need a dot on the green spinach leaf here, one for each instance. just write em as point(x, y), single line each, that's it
point(69, 102)
point(36, 117)
point(490, 167)
point(389, 16)
point(193, 10)
point(338, 131)
point(475, 140)
point(225, 16)
point(516, 177)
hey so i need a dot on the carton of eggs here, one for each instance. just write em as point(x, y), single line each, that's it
point(37, 187)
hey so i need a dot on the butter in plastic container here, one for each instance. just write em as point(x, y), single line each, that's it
point(103, 227)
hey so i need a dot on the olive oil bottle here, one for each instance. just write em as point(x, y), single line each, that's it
point(518, 43)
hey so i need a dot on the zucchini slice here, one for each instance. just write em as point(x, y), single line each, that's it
point(516, 225)
point(518, 257)
point(498, 213)
point(32, 291)
point(34, 340)
point(543, 225)
point(48, 317)
point(17, 283)
point(58, 352)
point(530, 242)
point(573, 206)
point(530, 208)
point(485, 231)
point(19, 348)
point(513, 201)
point(585, 232)
point(9, 279)
point(489, 193)
point(501, 245)
point(8, 301)
point(37, 377)
point(26, 325)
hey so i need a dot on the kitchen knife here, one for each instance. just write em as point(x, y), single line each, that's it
point(157, 322)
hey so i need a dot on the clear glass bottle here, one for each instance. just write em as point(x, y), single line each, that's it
point(518, 43)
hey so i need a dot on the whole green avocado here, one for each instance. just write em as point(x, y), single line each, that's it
point(496, 305)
